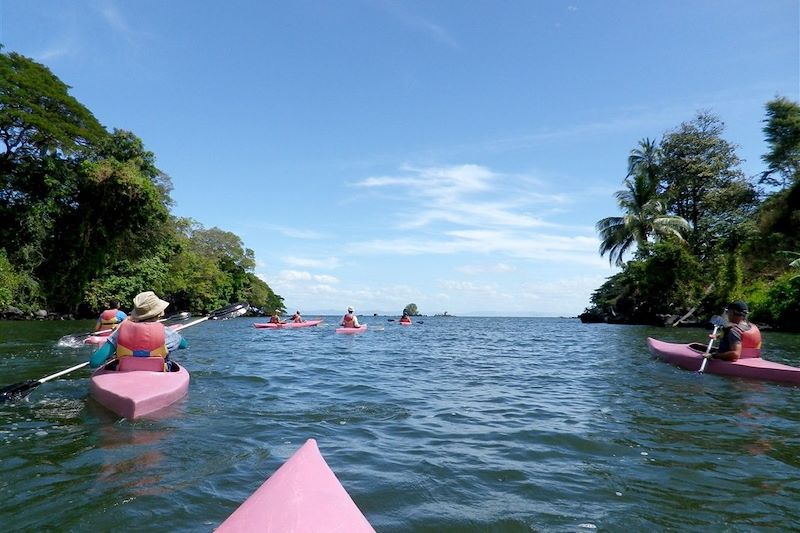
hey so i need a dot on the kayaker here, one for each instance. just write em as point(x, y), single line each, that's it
point(111, 317)
point(142, 335)
point(405, 319)
point(276, 317)
point(349, 320)
point(740, 339)
point(296, 317)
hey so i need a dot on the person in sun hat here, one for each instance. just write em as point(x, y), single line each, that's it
point(142, 342)
point(350, 320)
point(296, 317)
point(276, 317)
point(740, 338)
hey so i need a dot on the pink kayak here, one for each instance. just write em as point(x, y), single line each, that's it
point(352, 331)
point(306, 324)
point(97, 339)
point(135, 393)
point(690, 358)
point(404, 323)
point(303, 495)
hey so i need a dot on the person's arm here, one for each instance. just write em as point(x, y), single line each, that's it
point(731, 355)
point(105, 352)
point(355, 322)
point(174, 340)
point(732, 340)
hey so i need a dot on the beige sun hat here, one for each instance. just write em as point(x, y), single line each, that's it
point(147, 305)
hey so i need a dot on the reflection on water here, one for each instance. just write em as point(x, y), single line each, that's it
point(456, 424)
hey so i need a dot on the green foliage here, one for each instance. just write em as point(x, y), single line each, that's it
point(783, 302)
point(411, 309)
point(84, 214)
point(782, 132)
point(702, 182)
point(38, 117)
point(644, 215)
point(17, 288)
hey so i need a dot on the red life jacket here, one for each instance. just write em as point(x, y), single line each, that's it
point(141, 346)
point(751, 341)
point(348, 321)
point(109, 318)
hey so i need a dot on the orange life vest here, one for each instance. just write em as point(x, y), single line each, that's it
point(109, 318)
point(751, 341)
point(141, 346)
point(348, 321)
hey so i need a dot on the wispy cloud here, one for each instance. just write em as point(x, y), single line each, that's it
point(495, 268)
point(301, 275)
point(305, 262)
point(458, 195)
point(415, 21)
point(471, 209)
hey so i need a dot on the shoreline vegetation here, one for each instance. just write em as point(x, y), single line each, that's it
point(700, 233)
point(85, 215)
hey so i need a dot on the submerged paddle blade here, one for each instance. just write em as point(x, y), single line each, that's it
point(18, 391)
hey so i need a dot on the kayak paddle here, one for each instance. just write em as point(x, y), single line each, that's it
point(67, 338)
point(718, 322)
point(17, 391)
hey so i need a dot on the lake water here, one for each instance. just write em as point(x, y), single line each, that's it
point(455, 424)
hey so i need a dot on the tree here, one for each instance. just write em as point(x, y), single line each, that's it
point(37, 114)
point(702, 181)
point(644, 212)
point(411, 309)
point(782, 131)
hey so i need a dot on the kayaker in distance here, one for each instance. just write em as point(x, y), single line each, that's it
point(276, 317)
point(296, 317)
point(111, 317)
point(405, 319)
point(350, 320)
point(740, 339)
point(141, 336)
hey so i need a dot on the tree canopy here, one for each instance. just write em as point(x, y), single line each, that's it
point(723, 240)
point(85, 213)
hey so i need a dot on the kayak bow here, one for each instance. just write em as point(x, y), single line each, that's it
point(302, 495)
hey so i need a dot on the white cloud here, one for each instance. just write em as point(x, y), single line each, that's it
point(534, 247)
point(495, 268)
point(467, 195)
point(326, 262)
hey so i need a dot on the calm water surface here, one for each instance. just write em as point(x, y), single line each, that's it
point(457, 424)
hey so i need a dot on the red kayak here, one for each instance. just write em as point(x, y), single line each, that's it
point(690, 357)
point(303, 495)
point(306, 324)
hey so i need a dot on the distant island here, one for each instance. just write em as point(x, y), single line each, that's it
point(444, 314)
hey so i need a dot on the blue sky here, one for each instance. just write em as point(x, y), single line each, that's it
point(376, 152)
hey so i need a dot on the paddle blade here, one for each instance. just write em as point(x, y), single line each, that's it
point(717, 321)
point(230, 311)
point(18, 391)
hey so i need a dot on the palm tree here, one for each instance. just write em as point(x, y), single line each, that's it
point(644, 213)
